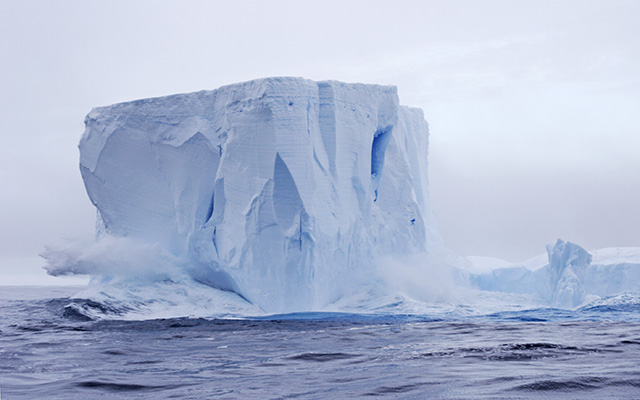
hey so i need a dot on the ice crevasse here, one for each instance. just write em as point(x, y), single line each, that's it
point(284, 191)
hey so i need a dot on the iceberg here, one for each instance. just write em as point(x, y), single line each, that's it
point(568, 277)
point(282, 191)
point(284, 195)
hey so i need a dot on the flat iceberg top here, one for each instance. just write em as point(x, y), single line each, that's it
point(257, 89)
point(279, 93)
point(605, 256)
point(616, 255)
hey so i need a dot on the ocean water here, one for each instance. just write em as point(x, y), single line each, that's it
point(47, 351)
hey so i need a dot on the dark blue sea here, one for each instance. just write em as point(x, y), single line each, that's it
point(49, 352)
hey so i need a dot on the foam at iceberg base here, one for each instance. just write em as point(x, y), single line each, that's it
point(283, 193)
point(136, 280)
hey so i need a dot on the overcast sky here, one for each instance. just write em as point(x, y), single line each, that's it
point(533, 106)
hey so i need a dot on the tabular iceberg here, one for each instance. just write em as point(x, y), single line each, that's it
point(284, 191)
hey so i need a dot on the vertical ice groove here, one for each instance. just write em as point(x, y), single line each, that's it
point(286, 199)
point(315, 157)
point(220, 201)
point(378, 149)
point(210, 208)
point(327, 122)
point(308, 116)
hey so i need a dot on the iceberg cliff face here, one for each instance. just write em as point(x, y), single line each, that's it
point(283, 190)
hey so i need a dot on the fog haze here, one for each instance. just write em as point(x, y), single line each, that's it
point(532, 105)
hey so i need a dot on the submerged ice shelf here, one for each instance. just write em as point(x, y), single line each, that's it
point(282, 195)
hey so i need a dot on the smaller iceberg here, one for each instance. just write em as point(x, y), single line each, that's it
point(568, 277)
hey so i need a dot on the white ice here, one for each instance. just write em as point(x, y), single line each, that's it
point(282, 190)
point(282, 195)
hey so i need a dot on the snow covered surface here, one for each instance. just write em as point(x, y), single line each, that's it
point(283, 195)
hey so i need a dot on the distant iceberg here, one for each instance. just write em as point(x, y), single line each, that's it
point(569, 277)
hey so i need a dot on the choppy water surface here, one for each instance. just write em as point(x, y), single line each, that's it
point(47, 353)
